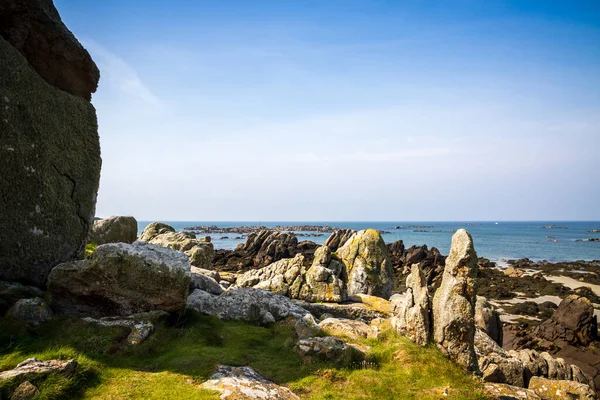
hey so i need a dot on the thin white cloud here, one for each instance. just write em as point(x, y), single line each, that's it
point(119, 75)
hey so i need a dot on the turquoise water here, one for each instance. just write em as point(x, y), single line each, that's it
point(502, 240)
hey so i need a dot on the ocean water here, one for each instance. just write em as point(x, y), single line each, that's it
point(493, 240)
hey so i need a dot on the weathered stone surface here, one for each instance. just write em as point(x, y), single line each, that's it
point(329, 348)
point(378, 304)
point(454, 303)
point(557, 367)
point(367, 264)
point(32, 368)
point(34, 28)
point(495, 364)
point(49, 158)
point(414, 317)
point(246, 304)
point(362, 311)
point(25, 391)
point(573, 321)
point(347, 327)
point(513, 272)
point(117, 229)
point(502, 391)
point(34, 311)
point(488, 319)
point(140, 325)
point(200, 252)
point(549, 389)
point(338, 238)
point(236, 383)
point(430, 261)
point(121, 279)
point(307, 327)
point(10, 292)
point(204, 282)
point(533, 363)
point(284, 277)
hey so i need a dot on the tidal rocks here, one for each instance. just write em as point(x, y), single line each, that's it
point(34, 311)
point(338, 238)
point(414, 317)
point(488, 319)
point(246, 304)
point(200, 252)
point(549, 389)
point(121, 279)
point(573, 322)
point(49, 146)
point(367, 264)
point(352, 329)
point(454, 303)
point(117, 229)
point(244, 383)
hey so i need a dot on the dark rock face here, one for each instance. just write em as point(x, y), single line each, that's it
point(573, 322)
point(261, 249)
point(49, 146)
point(114, 230)
point(34, 28)
point(338, 238)
point(431, 262)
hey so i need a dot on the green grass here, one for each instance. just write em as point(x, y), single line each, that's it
point(176, 359)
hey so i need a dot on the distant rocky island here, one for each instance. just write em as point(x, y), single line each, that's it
point(257, 228)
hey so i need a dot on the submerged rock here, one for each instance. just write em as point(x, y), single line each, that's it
point(414, 317)
point(244, 383)
point(454, 303)
point(49, 145)
point(114, 230)
point(367, 264)
point(121, 279)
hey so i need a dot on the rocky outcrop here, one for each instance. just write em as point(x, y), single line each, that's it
point(454, 303)
point(352, 329)
point(260, 250)
point(49, 146)
point(368, 265)
point(362, 311)
point(245, 304)
point(244, 383)
point(488, 319)
point(414, 318)
point(330, 348)
point(116, 229)
point(549, 389)
point(495, 364)
point(338, 238)
point(34, 311)
point(324, 280)
point(202, 281)
point(199, 252)
point(573, 322)
point(430, 261)
point(502, 391)
point(121, 279)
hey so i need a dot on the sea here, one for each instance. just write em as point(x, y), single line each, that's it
point(498, 241)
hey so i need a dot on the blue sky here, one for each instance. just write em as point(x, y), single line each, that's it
point(346, 110)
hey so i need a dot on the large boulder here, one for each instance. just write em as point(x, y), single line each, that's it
point(49, 146)
point(118, 229)
point(284, 277)
point(414, 317)
point(367, 264)
point(347, 327)
point(497, 365)
point(120, 279)
point(200, 252)
point(245, 304)
point(454, 303)
point(573, 322)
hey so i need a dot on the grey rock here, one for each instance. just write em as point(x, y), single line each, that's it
point(235, 383)
point(307, 327)
point(34, 311)
point(10, 292)
point(454, 303)
point(338, 238)
point(414, 316)
point(120, 279)
point(32, 368)
point(331, 349)
point(25, 391)
point(549, 389)
point(246, 304)
point(117, 229)
point(488, 319)
point(204, 282)
point(495, 364)
point(347, 327)
point(502, 391)
point(49, 151)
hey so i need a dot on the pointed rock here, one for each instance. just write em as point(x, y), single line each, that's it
point(414, 318)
